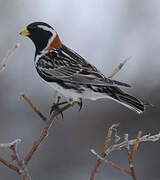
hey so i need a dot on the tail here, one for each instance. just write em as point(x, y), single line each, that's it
point(127, 100)
point(132, 103)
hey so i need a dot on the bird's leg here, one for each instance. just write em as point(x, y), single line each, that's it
point(57, 103)
point(55, 106)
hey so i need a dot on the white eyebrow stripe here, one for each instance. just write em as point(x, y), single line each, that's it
point(47, 29)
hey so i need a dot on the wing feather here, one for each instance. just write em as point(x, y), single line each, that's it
point(66, 65)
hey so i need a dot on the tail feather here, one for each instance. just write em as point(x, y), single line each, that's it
point(125, 99)
point(132, 103)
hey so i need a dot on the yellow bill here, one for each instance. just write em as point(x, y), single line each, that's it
point(25, 32)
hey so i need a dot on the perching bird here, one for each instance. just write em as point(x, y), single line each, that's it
point(70, 74)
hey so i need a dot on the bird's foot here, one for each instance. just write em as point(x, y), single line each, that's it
point(78, 102)
point(55, 107)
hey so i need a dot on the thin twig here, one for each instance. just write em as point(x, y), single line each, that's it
point(113, 127)
point(8, 145)
point(14, 168)
point(110, 162)
point(15, 155)
point(35, 109)
point(10, 51)
point(144, 138)
point(131, 155)
point(98, 163)
point(126, 144)
point(23, 170)
point(118, 68)
point(131, 165)
point(136, 144)
point(44, 133)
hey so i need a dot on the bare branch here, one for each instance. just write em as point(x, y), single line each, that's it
point(113, 127)
point(8, 145)
point(131, 155)
point(144, 138)
point(35, 109)
point(12, 167)
point(93, 173)
point(4, 61)
point(22, 169)
point(125, 144)
point(131, 165)
point(44, 132)
point(15, 155)
point(110, 162)
point(118, 68)
point(98, 163)
point(136, 144)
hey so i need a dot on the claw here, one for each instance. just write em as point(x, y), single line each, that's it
point(58, 99)
point(61, 114)
point(80, 104)
point(54, 108)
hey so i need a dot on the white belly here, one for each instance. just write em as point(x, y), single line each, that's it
point(73, 94)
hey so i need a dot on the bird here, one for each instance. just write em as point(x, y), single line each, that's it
point(72, 75)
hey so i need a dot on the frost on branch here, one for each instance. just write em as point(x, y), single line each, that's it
point(3, 63)
point(124, 145)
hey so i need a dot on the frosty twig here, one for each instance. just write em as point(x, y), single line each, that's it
point(120, 146)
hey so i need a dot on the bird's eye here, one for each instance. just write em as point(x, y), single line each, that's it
point(31, 28)
point(34, 28)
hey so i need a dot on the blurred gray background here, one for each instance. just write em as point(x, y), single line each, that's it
point(104, 32)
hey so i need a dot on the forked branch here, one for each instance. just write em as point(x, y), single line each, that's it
point(21, 168)
point(119, 146)
point(44, 132)
point(22, 164)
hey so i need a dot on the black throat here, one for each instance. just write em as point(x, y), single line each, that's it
point(40, 40)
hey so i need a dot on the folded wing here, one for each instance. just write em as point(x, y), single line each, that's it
point(64, 64)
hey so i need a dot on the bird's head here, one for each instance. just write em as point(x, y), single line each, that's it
point(43, 36)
